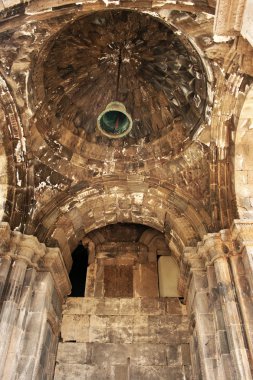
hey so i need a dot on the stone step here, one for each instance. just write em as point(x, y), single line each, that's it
point(124, 306)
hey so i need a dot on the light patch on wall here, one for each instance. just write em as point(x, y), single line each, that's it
point(168, 274)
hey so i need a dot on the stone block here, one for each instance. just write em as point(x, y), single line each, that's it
point(187, 370)
point(156, 372)
point(186, 355)
point(169, 332)
point(99, 321)
point(89, 305)
point(228, 367)
point(81, 371)
point(141, 329)
point(129, 306)
point(222, 342)
point(213, 366)
point(73, 305)
point(233, 335)
point(209, 346)
point(78, 353)
point(205, 323)
point(145, 280)
point(152, 306)
point(120, 372)
point(200, 280)
point(120, 329)
point(25, 367)
point(75, 328)
point(30, 341)
point(219, 319)
point(174, 306)
point(173, 354)
point(118, 280)
point(120, 335)
point(110, 354)
point(202, 302)
point(147, 354)
point(98, 329)
point(212, 281)
point(108, 306)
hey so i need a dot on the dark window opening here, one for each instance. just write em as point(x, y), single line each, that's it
point(78, 271)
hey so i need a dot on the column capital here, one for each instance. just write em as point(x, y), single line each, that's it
point(215, 246)
point(27, 247)
point(242, 234)
point(192, 260)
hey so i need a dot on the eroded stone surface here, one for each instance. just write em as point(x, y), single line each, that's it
point(151, 342)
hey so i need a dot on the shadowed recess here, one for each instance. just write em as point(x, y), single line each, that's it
point(78, 271)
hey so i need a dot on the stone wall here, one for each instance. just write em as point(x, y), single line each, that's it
point(124, 338)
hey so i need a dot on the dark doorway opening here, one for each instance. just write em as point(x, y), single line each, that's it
point(78, 271)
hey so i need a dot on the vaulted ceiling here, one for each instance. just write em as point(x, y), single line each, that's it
point(61, 66)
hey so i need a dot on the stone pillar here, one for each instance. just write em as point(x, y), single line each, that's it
point(5, 263)
point(242, 268)
point(199, 305)
point(233, 17)
point(5, 259)
point(22, 255)
point(34, 282)
point(216, 252)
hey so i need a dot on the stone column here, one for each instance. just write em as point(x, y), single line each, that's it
point(242, 267)
point(22, 253)
point(5, 263)
point(18, 332)
point(216, 252)
point(199, 305)
point(5, 258)
point(35, 283)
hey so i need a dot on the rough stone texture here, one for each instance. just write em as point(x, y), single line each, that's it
point(186, 171)
point(30, 311)
point(123, 261)
point(126, 338)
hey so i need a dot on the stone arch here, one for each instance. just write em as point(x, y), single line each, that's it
point(244, 159)
point(68, 220)
point(3, 171)
point(13, 161)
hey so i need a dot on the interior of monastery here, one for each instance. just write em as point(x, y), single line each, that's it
point(126, 189)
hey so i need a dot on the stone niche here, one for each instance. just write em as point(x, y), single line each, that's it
point(122, 329)
point(124, 261)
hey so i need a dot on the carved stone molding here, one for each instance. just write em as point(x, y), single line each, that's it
point(18, 246)
point(242, 234)
point(215, 246)
point(232, 18)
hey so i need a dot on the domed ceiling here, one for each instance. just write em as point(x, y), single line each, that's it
point(129, 57)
